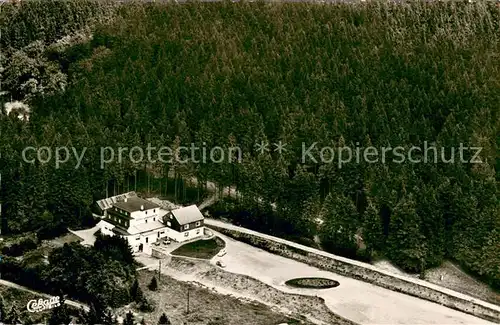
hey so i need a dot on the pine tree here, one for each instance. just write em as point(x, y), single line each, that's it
point(340, 226)
point(153, 285)
point(373, 233)
point(406, 243)
point(129, 319)
point(164, 320)
point(136, 292)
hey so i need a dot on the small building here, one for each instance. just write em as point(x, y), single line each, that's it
point(184, 223)
point(135, 219)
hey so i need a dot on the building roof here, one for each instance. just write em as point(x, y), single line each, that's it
point(145, 227)
point(120, 231)
point(107, 203)
point(134, 204)
point(187, 214)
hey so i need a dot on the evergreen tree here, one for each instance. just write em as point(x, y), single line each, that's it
point(153, 285)
point(136, 292)
point(129, 319)
point(164, 320)
point(406, 244)
point(340, 226)
point(373, 233)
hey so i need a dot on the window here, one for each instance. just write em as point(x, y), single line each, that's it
point(146, 220)
point(186, 234)
point(158, 234)
point(138, 238)
point(197, 231)
point(154, 219)
point(154, 210)
point(198, 224)
point(145, 212)
point(186, 227)
point(147, 240)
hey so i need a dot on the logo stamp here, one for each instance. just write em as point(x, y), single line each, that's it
point(36, 306)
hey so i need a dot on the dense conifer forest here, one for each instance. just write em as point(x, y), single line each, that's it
point(98, 74)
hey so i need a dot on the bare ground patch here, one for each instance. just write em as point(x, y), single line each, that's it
point(311, 307)
point(205, 305)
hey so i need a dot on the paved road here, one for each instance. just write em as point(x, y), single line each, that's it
point(40, 294)
point(356, 300)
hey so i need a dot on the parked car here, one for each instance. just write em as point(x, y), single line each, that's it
point(221, 253)
point(220, 264)
point(167, 242)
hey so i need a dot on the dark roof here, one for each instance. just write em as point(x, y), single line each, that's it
point(107, 203)
point(120, 231)
point(134, 204)
point(187, 215)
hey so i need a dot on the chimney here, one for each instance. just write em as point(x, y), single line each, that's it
point(126, 199)
point(142, 207)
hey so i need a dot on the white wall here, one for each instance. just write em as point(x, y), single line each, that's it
point(136, 240)
point(140, 217)
point(106, 228)
point(180, 236)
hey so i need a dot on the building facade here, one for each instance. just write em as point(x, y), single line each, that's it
point(184, 223)
point(143, 223)
point(135, 219)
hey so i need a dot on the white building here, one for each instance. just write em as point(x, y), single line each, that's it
point(142, 222)
point(184, 223)
point(135, 219)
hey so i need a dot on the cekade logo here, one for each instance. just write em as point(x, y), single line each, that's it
point(36, 306)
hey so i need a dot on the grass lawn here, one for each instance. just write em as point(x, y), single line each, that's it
point(205, 249)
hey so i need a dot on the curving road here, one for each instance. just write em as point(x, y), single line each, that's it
point(356, 300)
